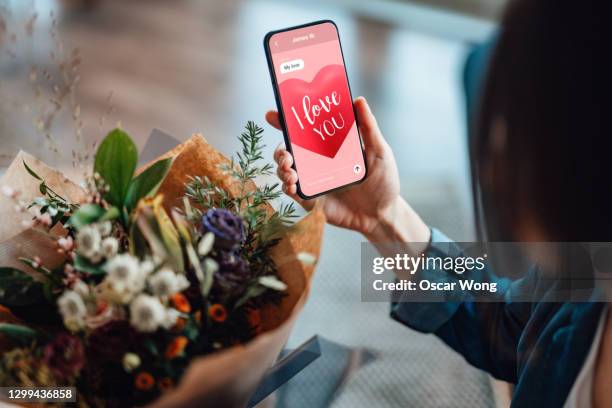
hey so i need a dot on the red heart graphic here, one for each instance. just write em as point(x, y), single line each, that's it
point(318, 114)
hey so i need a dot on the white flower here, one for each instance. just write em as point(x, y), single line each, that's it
point(124, 278)
point(139, 283)
point(88, 241)
point(72, 308)
point(73, 325)
point(115, 291)
point(206, 244)
point(146, 313)
point(104, 228)
point(123, 268)
point(110, 246)
point(81, 288)
point(96, 258)
point(170, 318)
point(66, 243)
point(130, 361)
point(165, 282)
point(147, 266)
point(182, 283)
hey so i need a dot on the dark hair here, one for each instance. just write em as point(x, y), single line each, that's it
point(540, 151)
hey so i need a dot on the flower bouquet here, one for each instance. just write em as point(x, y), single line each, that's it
point(176, 284)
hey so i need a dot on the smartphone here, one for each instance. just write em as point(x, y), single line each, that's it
point(315, 107)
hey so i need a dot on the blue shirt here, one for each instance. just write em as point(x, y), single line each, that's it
point(540, 346)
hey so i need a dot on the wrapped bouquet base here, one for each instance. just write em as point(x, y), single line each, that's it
point(232, 375)
point(230, 285)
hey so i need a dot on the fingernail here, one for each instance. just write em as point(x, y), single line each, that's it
point(367, 105)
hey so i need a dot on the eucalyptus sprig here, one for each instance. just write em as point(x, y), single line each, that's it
point(251, 203)
point(252, 153)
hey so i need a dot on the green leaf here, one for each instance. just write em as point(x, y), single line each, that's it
point(137, 240)
point(83, 265)
point(252, 291)
point(110, 214)
point(116, 161)
point(86, 215)
point(147, 182)
point(17, 288)
point(34, 265)
point(18, 332)
point(191, 332)
point(151, 347)
point(32, 172)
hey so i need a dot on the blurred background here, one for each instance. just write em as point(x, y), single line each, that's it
point(71, 70)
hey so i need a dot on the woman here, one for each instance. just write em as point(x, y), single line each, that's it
point(540, 161)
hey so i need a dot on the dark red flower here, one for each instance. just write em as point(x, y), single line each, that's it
point(111, 341)
point(65, 356)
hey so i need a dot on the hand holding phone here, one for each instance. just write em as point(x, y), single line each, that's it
point(360, 207)
point(373, 207)
point(315, 107)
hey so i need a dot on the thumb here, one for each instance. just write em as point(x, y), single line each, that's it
point(368, 127)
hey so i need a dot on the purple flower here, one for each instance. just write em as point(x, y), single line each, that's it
point(64, 356)
point(226, 227)
point(233, 272)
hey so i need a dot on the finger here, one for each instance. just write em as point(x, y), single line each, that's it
point(372, 137)
point(281, 154)
point(278, 151)
point(291, 190)
point(283, 159)
point(287, 176)
point(273, 120)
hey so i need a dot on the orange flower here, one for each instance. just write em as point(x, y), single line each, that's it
point(144, 381)
point(176, 347)
point(198, 316)
point(254, 319)
point(101, 306)
point(180, 303)
point(165, 384)
point(217, 312)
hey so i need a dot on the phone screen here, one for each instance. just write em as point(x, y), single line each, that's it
point(316, 105)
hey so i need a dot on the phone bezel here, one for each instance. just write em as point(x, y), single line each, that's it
point(281, 114)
